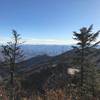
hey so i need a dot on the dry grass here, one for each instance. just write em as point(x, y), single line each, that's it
point(51, 95)
point(58, 94)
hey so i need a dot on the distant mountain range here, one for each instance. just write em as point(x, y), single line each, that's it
point(35, 50)
point(51, 50)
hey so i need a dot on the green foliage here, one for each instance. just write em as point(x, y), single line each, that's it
point(12, 53)
point(86, 42)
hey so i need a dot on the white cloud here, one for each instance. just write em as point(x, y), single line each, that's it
point(48, 41)
point(4, 40)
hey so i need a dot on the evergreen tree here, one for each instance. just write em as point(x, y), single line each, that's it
point(12, 54)
point(86, 41)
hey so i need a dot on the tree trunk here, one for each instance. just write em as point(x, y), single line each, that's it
point(12, 86)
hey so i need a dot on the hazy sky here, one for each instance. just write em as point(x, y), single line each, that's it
point(47, 21)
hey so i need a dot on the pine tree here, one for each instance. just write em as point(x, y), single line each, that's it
point(12, 53)
point(86, 41)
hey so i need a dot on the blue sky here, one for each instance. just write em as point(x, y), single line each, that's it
point(47, 21)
